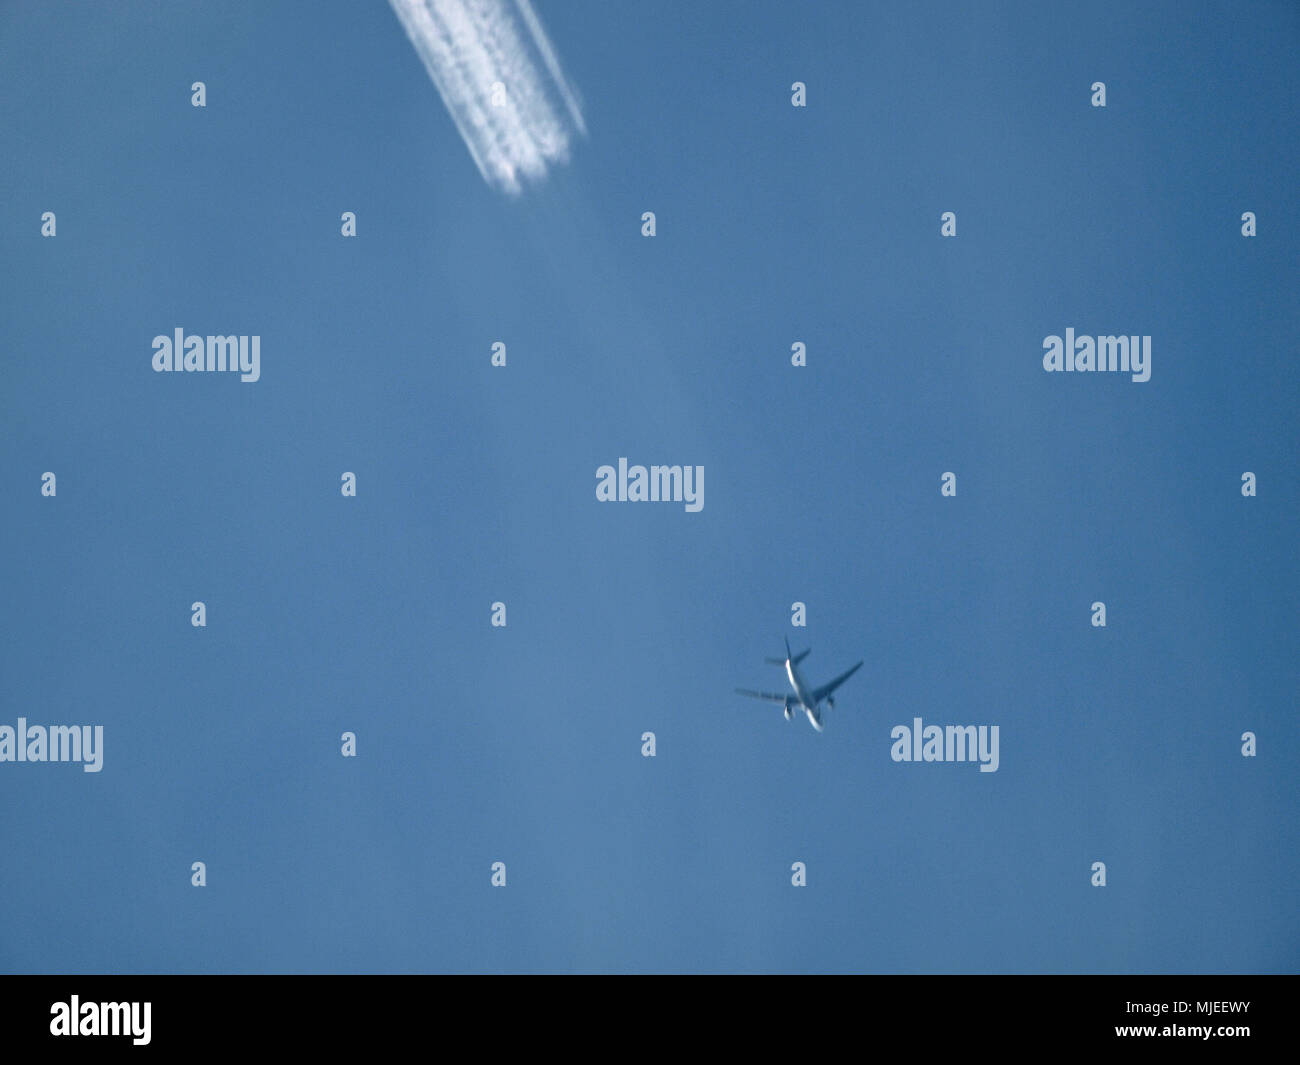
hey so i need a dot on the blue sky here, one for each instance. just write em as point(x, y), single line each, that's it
point(475, 484)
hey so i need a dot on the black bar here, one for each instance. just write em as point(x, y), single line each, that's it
point(365, 1014)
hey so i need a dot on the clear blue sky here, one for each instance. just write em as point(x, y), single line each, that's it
point(523, 745)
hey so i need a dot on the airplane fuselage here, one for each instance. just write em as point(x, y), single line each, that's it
point(803, 694)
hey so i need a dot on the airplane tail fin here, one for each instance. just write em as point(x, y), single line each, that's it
point(789, 657)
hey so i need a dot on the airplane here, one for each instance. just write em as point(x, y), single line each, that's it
point(804, 698)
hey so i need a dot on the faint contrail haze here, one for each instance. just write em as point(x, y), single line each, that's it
point(501, 80)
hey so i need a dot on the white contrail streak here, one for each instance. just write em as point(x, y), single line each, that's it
point(514, 114)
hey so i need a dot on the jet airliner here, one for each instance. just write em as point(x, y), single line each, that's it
point(805, 698)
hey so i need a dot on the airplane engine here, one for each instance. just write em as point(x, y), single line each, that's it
point(788, 715)
point(830, 703)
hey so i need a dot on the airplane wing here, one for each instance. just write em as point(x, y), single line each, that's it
point(769, 696)
point(826, 689)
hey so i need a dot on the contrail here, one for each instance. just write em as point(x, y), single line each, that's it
point(499, 77)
